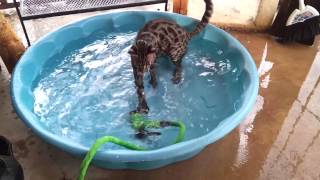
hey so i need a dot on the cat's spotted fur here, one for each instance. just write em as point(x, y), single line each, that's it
point(161, 37)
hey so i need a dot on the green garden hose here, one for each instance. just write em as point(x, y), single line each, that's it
point(140, 125)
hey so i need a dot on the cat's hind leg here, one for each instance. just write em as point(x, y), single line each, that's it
point(176, 56)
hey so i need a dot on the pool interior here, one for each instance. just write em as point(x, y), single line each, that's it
point(85, 90)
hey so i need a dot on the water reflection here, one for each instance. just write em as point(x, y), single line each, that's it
point(246, 127)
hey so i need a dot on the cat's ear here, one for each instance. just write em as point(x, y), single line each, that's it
point(133, 50)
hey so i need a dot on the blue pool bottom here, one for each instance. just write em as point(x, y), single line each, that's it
point(87, 90)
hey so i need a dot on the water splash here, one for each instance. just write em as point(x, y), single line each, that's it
point(90, 90)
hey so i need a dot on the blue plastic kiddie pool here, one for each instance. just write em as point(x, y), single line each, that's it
point(75, 85)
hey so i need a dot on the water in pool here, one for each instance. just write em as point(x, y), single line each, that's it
point(87, 91)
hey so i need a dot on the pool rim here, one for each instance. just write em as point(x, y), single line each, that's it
point(171, 151)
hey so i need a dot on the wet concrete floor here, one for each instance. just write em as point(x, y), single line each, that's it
point(279, 139)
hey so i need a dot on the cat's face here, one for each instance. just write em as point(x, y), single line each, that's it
point(142, 55)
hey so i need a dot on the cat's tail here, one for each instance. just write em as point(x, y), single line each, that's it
point(205, 18)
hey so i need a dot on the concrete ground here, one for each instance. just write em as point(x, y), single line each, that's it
point(279, 139)
point(237, 14)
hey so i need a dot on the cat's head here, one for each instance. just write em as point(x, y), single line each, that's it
point(142, 55)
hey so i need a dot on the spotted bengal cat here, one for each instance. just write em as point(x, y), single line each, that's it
point(161, 37)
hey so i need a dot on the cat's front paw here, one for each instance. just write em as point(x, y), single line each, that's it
point(154, 84)
point(176, 79)
point(142, 110)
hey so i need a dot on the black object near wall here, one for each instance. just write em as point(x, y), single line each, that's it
point(285, 34)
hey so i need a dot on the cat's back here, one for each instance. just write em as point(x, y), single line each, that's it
point(163, 26)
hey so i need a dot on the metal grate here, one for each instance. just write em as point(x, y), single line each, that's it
point(33, 9)
point(41, 7)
